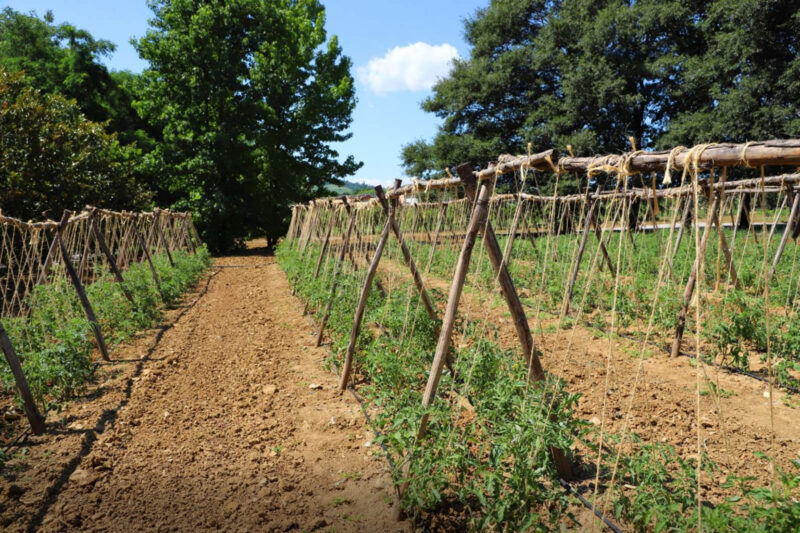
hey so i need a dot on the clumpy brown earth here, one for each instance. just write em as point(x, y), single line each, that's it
point(224, 419)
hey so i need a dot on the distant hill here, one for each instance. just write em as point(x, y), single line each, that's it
point(348, 187)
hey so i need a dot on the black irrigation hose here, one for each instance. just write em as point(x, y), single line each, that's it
point(731, 369)
point(571, 490)
point(568, 488)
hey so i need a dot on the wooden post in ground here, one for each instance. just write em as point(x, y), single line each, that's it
point(31, 410)
point(109, 257)
point(335, 281)
point(290, 232)
point(576, 267)
point(140, 239)
point(478, 220)
point(48, 260)
point(312, 219)
point(787, 232)
point(84, 264)
point(76, 281)
point(362, 299)
point(535, 370)
point(726, 250)
point(687, 209)
point(439, 221)
point(188, 234)
point(193, 229)
point(324, 248)
point(160, 235)
point(431, 310)
point(598, 232)
point(690, 284)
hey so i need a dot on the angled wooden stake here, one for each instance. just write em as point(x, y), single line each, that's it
point(160, 235)
point(362, 299)
point(431, 310)
point(576, 267)
point(324, 248)
point(442, 211)
point(48, 261)
point(690, 284)
point(480, 213)
point(335, 282)
point(529, 352)
point(598, 232)
point(787, 232)
point(188, 235)
point(140, 239)
point(685, 218)
point(109, 256)
point(478, 220)
point(31, 410)
point(76, 281)
point(290, 232)
point(726, 250)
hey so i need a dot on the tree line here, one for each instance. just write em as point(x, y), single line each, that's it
point(589, 74)
point(233, 118)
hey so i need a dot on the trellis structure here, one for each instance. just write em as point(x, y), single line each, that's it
point(428, 215)
point(78, 249)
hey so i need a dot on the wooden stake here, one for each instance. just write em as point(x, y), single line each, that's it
point(160, 234)
point(439, 221)
point(335, 282)
point(431, 310)
point(529, 352)
point(726, 251)
point(109, 257)
point(47, 262)
point(324, 248)
point(478, 220)
point(140, 239)
point(690, 284)
point(362, 299)
point(684, 221)
point(76, 281)
point(787, 232)
point(576, 267)
point(31, 410)
point(598, 232)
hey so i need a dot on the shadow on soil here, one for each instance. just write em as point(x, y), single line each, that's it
point(106, 418)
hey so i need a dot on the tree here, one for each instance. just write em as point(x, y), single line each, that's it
point(66, 60)
point(53, 158)
point(591, 74)
point(744, 84)
point(249, 96)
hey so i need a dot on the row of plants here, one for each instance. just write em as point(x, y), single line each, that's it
point(485, 455)
point(734, 327)
point(54, 341)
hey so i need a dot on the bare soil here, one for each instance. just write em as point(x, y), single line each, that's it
point(222, 419)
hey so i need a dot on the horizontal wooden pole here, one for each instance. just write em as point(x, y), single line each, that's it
point(777, 152)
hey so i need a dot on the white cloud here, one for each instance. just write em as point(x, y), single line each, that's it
point(414, 67)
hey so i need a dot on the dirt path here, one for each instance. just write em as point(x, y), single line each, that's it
point(229, 423)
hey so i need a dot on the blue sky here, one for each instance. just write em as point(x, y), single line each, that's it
point(398, 48)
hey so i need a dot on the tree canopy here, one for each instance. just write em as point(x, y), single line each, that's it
point(53, 158)
point(62, 59)
point(249, 95)
point(590, 73)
